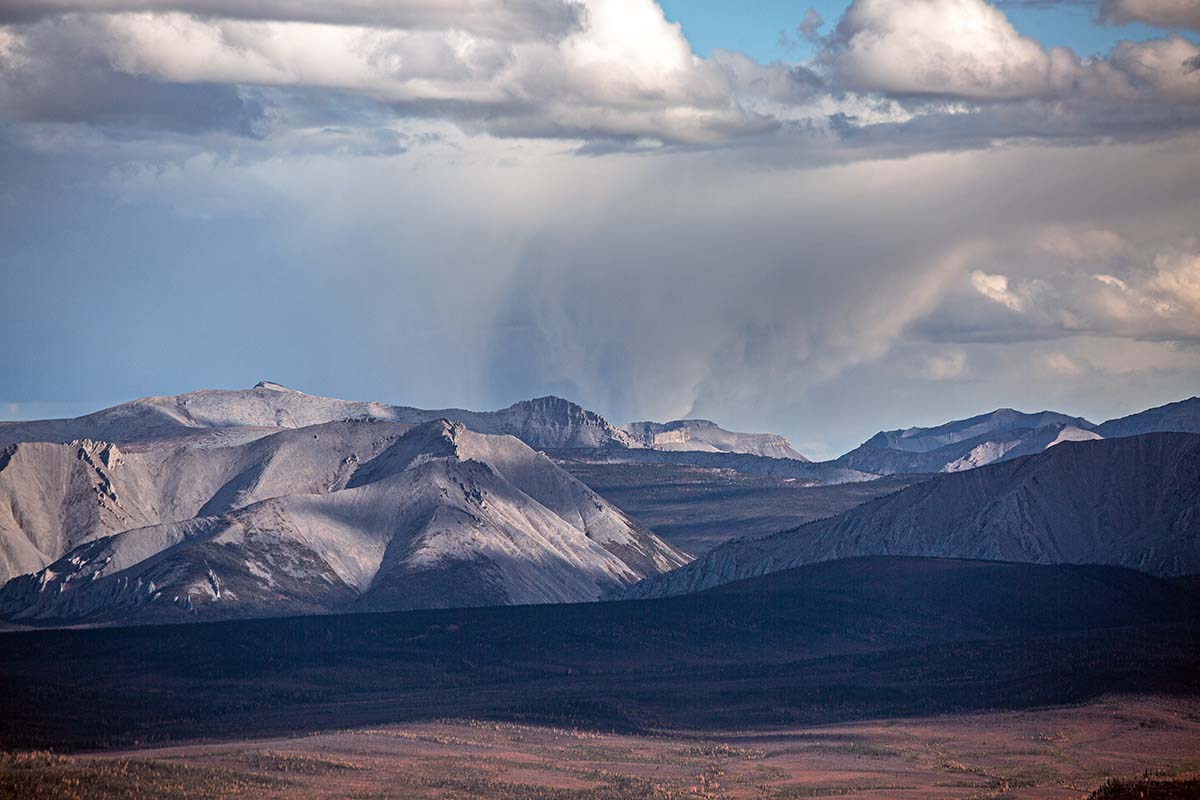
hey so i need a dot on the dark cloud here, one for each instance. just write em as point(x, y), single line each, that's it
point(500, 19)
point(1163, 13)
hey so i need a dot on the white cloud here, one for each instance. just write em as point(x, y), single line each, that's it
point(996, 289)
point(953, 48)
point(934, 52)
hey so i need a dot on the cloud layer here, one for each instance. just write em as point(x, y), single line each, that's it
point(932, 215)
point(594, 69)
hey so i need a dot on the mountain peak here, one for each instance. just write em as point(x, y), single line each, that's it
point(275, 387)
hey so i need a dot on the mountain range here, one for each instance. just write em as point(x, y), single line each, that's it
point(267, 501)
point(329, 517)
point(1002, 435)
point(1131, 501)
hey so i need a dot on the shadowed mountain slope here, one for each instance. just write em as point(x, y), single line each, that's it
point(1132, 501)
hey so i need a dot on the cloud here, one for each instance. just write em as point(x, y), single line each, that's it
point(995, 288)
point(968, 50)
point(624, 72)
point(894, 78)
point(508, 20)
point(1061, 365)
point(1163, 13)
point(944, 48)
point(1067, 284)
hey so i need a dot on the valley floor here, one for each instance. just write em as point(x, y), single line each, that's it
point(1064, 752)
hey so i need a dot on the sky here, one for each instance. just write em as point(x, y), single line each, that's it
point(819, 220)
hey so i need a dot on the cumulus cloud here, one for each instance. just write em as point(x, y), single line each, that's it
point(951, 48)
point(968, 50)
point(894, 76)
point(623, 72)
point(1164, 13)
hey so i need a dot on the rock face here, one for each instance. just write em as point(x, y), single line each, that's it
point(966, 444)
point(55, 497)
point(706, 436)
point(1132, 502)
point(347, 515)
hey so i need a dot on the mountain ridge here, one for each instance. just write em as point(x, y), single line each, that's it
point(1131, 501)
point(436, 516)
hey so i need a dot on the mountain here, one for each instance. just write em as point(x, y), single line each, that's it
point(966, 444)
point(429, 516)
point(241, 414)
point(1180, 417)
point(706, 436)
point(55, 497)
point(862, 638)
point(1133, 502)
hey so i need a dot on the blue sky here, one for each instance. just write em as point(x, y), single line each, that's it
point(755, 26)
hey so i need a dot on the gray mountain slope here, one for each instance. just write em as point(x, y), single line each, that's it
point(224, 415)
point(1180, 417)
point(1131, 502)
point(55, 497)
point(987, 448)
point(705, 436)
point(441, 517)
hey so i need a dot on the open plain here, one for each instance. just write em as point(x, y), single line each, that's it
point(1065, 752)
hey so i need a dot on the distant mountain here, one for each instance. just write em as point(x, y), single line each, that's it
point(249, 413)
point(1134, 502)
point(703, 435)
point(381, 517)
point(965, 444)
point(813, 473)
point(1180, 417)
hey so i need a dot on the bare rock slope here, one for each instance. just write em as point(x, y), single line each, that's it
point(429, 516)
